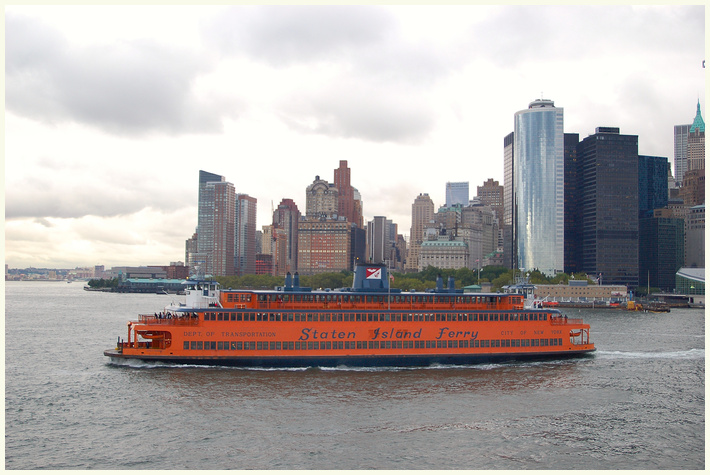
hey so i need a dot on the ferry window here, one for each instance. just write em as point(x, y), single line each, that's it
point(463, 343)
point(310, 317)
point(199, 345)
point(232, 316)
point(185, 345)
point(193, 345)
point(220, 345)
point(398, 317)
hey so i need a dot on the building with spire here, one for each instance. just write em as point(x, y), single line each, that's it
point(693, 188)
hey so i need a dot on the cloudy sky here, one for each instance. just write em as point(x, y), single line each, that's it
point(112, 111)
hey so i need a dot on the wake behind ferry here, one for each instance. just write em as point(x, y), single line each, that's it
point(368, 324)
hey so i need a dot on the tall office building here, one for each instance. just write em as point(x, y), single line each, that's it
point(693, 188)
point(422, 214)
point(245, 235)
point(349, 203)
point(608, 163)
point(285, 237)
point(377, 243)
point(653, 184)
point(539, 187)
point(661, 251)
point(491, 194)
point(510, 256)
point(215, 225)
point(324, 245)
point(680, 151)
point(695, 237)
point(696, 142)
point(573, 217)
point(457, 193)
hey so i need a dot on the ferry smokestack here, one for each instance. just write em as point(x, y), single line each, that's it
point(439, 283)
point(288, 280)
point(452, 286)
point(296, 280)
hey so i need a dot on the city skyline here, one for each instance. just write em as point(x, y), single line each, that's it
point(108, 119)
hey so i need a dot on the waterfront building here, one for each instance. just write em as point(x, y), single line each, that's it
point(457, 193)
point(245, 235)
point(695, 237)
point(508, 224)
point(653, 184)
point(661, 251)
point(539, 187)
point(215, 225)
point(422, 215)
point(580, 291)
point(691, 281)
point(285, 237)
point(608, 191)
point(191, 251)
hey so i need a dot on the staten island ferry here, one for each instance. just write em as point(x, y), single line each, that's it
point(368, 324)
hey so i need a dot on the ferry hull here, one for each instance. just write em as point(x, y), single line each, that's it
point(350, 361)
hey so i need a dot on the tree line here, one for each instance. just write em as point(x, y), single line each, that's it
point(498, 276)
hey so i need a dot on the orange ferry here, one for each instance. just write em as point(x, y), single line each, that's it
point(369, 324)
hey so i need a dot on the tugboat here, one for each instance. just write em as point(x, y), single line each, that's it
point(368, 324)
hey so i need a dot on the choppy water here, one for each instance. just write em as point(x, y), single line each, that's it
point(638, 403)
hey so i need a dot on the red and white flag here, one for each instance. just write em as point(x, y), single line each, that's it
point(373, 273)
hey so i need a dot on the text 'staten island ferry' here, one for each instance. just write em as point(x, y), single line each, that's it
point(366, 325)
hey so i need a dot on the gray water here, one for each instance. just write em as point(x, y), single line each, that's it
point(638, 403)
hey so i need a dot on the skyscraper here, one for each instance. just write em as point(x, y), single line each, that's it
point(510, 255)
point(245, 235)
point(653, 184)
point(539, 187)
point(680, 151)
point(693, 189)
point(347, 205)
point(456, 193)
point(377, 243)
point(422, 214)
point(285, 237)
point(608, 163)
point(215, 225)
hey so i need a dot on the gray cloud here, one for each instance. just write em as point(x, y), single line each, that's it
point(129, 87)
point(366, 111)
point(381, 93)
point(516, 35)
point(285, 34)
point(48, 198)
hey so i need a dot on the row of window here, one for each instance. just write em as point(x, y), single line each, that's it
point(339, 297)
point(370, 317)
point(366, 345)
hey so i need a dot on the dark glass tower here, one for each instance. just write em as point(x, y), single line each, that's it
point(661, 251)
point(653, 184)
point(608, 164)
point(573, 217)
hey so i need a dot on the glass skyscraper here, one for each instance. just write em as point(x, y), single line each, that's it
point(539, 187)
point(456, 193)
